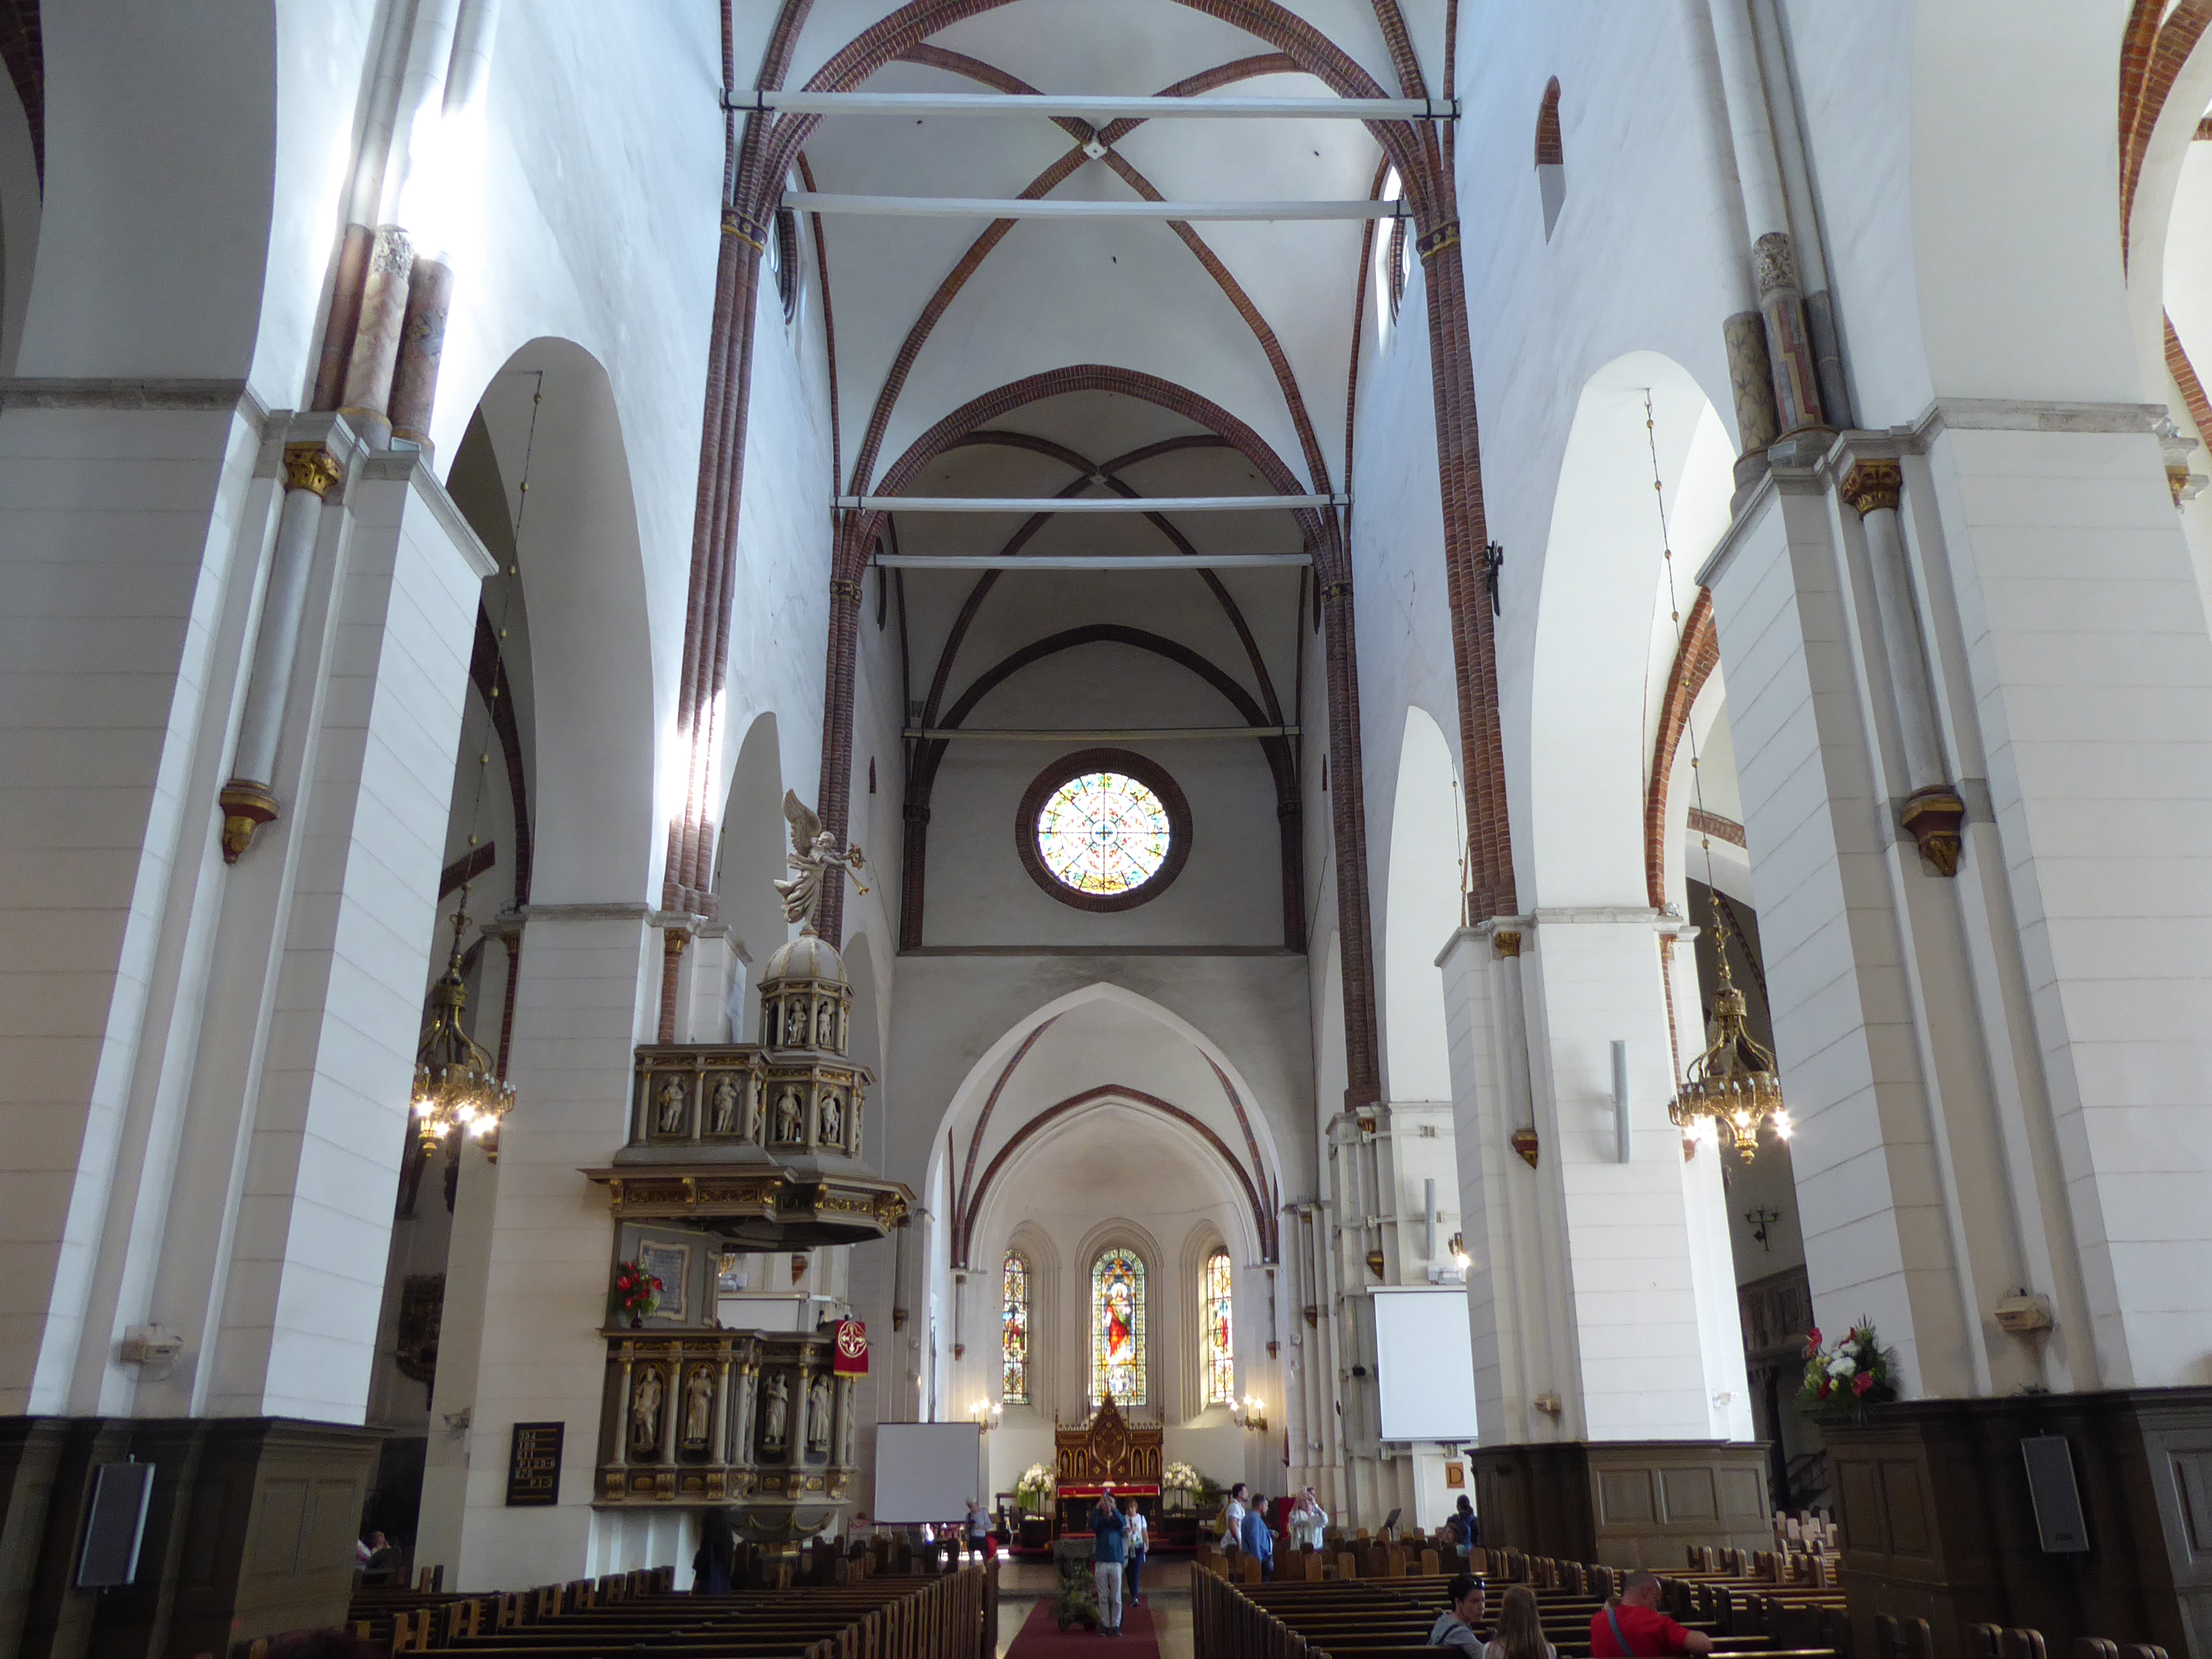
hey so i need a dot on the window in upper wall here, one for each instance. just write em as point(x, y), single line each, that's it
point(1014, 1342)
point(1104, 829)
point(1117, 1328)
point(1217, 1382)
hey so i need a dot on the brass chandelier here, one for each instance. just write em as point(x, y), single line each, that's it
point(1731, 1091)
point(459, 1093)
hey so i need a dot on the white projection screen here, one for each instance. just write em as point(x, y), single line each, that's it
point(1425, 1367)
point(926, 1472)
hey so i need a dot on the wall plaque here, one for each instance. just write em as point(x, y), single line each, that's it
point(533, 1464)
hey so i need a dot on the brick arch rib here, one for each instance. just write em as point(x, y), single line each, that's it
point(1249, 1181)
point(929, 755)
point(1695, 658)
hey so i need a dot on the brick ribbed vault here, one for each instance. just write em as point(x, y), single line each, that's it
point(756, 166)
point(1252, 1184)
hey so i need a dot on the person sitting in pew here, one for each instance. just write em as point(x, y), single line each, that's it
point(1634, 1628)
point(1455, 1625)
point(1520, 1628)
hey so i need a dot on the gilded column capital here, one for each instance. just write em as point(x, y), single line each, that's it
point(311, 467)
point(1869, 486)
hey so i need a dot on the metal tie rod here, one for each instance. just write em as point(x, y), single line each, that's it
point(1082, 503)
point(989, 207)
point(1133, 734)
point(751, 100)
point(1093, 561)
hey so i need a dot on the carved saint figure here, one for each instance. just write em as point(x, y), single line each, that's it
point(775, 1413)
point(814, 855)
point(726, 1105)
point(789, 1123)
point(795, 1024)
point(818, 1415)
point(698, 1405)
point(833, 1117)
point(825, 1024)
point(671, 1106)
point(645, 1413)
point(753, 1117)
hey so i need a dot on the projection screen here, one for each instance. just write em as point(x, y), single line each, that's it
point(1425, 1372)
point(926, 1472)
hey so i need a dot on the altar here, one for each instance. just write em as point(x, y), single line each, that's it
point(1107, 1451)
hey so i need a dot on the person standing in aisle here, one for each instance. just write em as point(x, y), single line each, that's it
point(1108, 1546)
point(1256, 1540)
point(1138, 1537)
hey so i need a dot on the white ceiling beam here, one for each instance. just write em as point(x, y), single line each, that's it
point(1093, 561)
point(986, 207)
point(1026, 504)
point(1093, 109)
point(1132, 734)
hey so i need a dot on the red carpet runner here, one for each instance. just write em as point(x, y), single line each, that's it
point(1041, 1637)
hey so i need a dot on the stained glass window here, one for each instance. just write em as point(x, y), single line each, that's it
point(1014, 1343)
point(1217, 1380)
point(1103, 832)
point(1117, 1328)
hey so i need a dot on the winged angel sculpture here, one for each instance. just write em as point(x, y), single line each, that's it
point(814, 855)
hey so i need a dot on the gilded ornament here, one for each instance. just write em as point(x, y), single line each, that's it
point(312, 468)
point(1870, 486)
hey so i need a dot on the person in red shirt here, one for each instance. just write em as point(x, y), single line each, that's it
point(1634, 1628)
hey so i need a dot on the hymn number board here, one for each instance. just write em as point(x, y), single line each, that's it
point(533, 1464)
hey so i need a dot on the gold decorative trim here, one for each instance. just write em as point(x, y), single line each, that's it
point(311, 467)
point(1525, 1143)
point(1505, 943)
point(845, 588)
point(1436, 242)
point(245, 807)
point(1869, 486)
point(735, 223)
point(1936, 818)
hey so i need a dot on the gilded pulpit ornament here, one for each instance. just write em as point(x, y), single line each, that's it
point(1731, 1086)
point(457, 1088)
point(814, 855)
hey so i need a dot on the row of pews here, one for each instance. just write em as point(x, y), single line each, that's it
point(953, 1615)
point(1389, 1615)
point(1372, 1605)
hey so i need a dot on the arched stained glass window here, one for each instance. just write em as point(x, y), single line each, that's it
point(1117, 1328)
point(1217, 1382)
point(1014, 1342)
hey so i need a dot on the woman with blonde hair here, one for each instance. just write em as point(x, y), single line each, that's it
point(1520, 1629)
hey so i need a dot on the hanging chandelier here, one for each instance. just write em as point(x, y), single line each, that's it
point(1732, 1090)
point(458, 1089)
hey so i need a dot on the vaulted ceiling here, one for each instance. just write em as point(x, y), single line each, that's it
point(1229, 345)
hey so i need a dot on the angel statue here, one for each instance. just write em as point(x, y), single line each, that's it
point(814, 855)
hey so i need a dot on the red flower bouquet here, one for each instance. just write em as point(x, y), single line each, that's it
point(1841, 1382)
point(636, 1293)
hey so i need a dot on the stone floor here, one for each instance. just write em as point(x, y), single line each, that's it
point(1023, 1584)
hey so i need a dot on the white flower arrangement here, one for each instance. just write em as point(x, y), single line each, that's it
point(1180, 1475)
point(1036, 1487)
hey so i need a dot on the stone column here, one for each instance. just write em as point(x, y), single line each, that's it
point(590, 970)
point(312, 470)
point(1604, 1347)
point(1933, 810)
